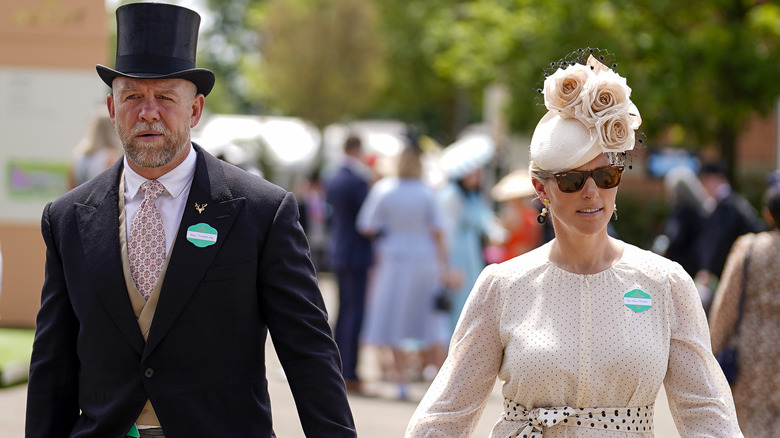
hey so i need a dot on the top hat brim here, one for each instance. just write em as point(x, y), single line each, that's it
point(201, 77)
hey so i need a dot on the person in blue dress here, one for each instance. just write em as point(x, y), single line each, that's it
point(468, 216)
point(402, 217)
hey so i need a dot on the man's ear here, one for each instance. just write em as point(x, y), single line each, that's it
point(197, 109)
point(110, 106)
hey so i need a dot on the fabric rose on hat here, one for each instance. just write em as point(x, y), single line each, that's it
point(563, 90)
point(633, 114)
point(605, 94)
point(598, 99)
point(615, 132)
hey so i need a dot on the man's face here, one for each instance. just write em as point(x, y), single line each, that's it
point(153, 118)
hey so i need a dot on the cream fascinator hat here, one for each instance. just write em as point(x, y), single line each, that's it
point(589, 112)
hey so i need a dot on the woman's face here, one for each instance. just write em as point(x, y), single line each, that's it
point(584, 212)
point(473, 180)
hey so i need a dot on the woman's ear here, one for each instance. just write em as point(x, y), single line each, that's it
point(539, 187)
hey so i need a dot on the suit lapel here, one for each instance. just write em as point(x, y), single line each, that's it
point(98, 225)
point(189, 263)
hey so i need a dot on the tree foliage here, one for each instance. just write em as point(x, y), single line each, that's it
point(322, 60)
point(229, 47)
point(701, 67)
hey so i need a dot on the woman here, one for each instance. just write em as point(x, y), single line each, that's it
point(96, 151)
point(757, 389)
point(517, 213)
point(402, 216)
point(584, 330)
point(468, 217)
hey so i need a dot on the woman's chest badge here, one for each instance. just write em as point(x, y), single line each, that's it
point(202, 235)
point(638, 300)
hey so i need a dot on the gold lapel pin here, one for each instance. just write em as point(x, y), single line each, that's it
point(200, 208)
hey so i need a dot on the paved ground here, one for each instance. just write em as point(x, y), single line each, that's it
point(377, 417)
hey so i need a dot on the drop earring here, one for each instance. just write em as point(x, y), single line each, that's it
point(614, 212)
point(542, 218)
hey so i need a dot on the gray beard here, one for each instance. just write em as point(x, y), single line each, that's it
point(154, 155)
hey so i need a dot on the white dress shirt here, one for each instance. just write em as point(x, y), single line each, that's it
point(170, 203)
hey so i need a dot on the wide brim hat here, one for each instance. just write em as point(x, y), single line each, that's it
point(467, 155)
point(516, 185)
point(157, 41)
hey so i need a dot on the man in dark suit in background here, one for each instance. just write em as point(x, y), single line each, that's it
point(349, 254)
point(165, 274)
point(733, 216)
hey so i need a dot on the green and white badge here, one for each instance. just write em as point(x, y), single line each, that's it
point(202, 235)
point(638, 300)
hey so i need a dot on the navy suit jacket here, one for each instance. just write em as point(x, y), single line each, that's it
point(733, 216)
point(345, 193)
point(203, 365)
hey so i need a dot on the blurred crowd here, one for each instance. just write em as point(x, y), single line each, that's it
point(407, 242)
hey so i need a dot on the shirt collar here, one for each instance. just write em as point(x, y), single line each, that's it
point(174, 181)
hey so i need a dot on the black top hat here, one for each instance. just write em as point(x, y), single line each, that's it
point(157, 41)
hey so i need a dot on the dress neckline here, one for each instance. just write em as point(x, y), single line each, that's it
point(620, 260)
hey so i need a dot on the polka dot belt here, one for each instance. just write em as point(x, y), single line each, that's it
point(533, 422)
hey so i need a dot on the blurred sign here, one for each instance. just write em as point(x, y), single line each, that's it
point(37, 178)
point(53, 33)
point(660, 162)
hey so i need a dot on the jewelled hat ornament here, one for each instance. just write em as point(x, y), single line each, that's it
point(589, 112)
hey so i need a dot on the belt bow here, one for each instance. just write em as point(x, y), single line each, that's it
point(533, 422)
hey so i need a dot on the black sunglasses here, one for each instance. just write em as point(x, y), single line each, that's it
point(571, 181)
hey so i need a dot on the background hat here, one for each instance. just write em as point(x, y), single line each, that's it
point(516, 184)
point(714, 168)
point(466, 155)
point(157, 41)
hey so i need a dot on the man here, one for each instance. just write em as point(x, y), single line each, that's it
point(349, 254)
point(169, 339)
point(733, 216)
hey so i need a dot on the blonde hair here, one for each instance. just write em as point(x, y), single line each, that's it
point(100, 133)
point(409, 164)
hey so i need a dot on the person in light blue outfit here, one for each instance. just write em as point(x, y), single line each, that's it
point(468, 216)
point(403, 218)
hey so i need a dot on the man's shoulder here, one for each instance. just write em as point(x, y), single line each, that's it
point(345, 178)
point(244, 184)
point(739, 210)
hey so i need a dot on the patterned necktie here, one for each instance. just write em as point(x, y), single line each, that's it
point(146, 245)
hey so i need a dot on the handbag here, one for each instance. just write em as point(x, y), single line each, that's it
point(443, 300)
point(728, 357)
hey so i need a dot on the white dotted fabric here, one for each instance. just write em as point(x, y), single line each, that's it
point(558, 339)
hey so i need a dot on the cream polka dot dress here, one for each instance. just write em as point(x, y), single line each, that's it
point(580, 355)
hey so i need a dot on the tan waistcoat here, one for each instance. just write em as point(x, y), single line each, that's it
point(144, 310)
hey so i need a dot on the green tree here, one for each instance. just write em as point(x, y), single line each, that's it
point(415, 92)
point(244, 47)
point(702, 66)
point(321, 61)
point(229, 47)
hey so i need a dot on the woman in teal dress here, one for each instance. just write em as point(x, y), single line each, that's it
point(468, 217)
